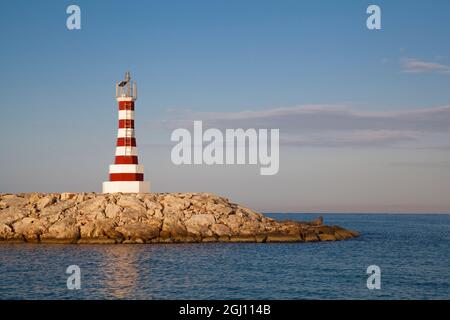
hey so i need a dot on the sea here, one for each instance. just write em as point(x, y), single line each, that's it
point(411, 252)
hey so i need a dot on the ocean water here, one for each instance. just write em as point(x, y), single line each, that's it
point(412, 252)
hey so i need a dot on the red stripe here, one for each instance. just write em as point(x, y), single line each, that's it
point(126, 160)
point(126, 105)
point(126, 123)
point(122, 142)
point(126, 177)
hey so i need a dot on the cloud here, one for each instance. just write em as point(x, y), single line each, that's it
point(309, 118)
point(412, 65)
point(328, 125)
point(421, 164)
point(359, 138)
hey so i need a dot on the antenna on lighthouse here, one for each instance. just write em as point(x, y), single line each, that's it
point(127, 76)
point(126, 88)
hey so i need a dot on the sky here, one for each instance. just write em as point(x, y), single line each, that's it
point(364, 115)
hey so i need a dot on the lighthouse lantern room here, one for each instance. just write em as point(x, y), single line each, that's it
point(126, 175)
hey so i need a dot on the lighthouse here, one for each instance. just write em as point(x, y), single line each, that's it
point(126, 174)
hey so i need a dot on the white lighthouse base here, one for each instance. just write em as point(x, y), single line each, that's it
point(126, 186)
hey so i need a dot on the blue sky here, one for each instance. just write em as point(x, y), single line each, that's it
point(374, 95)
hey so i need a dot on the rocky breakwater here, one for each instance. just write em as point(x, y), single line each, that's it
point(147, 218)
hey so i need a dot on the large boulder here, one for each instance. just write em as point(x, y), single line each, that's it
point(132, 215)
point(219, 209)
point(131, 202)
point(64, 230)
point(112, 210)
point(221, 230)
point(100, 230)
point(138, 230)
point(93, 204)
point(45, 202)
point(30, 228)
point(12, 214)
point(176, 203)
point(199, 224)
point(6, 233)
point(173, 228)
point(234, 222)
point(11, 200)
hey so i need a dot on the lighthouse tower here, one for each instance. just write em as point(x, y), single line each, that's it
point(126, 175)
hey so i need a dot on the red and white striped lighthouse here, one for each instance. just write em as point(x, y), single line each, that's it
point(126, 175)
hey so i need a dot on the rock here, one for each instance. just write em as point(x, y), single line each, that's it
point(173, 211)
point(134, 241)
point(154, 222)
point(99, 230)
point(93, 204)
point(175, 203)
point(283, 237)
point(148, 218)
point(291, 227)
point(250, 228)
point(129, 201)
point(173, 228)
point(29, 228)
point(199, 224)
point(221, 230)
point(97, 241)
point(197, 207)
point(9, 196)
point(260, 238)
point(325, 230)
point(138, 230)
point(219, 209)
point(327, 237)
point(250, 214)
point(64, 229)
point(44, 202)
point(67, 196)
point(51, 217)
point(158, 214)
point(209, 239)
point(234, 222)
point(345, 234)
point(12, 201)
point(10, 215)
point(80, 197)
point(112, 210)
point(239, 238)
point(202, 197)
point(57, 208)
point(6, 232)
point(244, 212)
point(318, 221)
point(310, 236)
point(88, 230)
point(130, 215)
point(152, 205)
point(33, 198)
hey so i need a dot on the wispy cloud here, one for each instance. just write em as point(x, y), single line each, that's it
point(422, 164)
point(329, 125)
point(412, 65)
point(354, 139)
point(318, 118)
